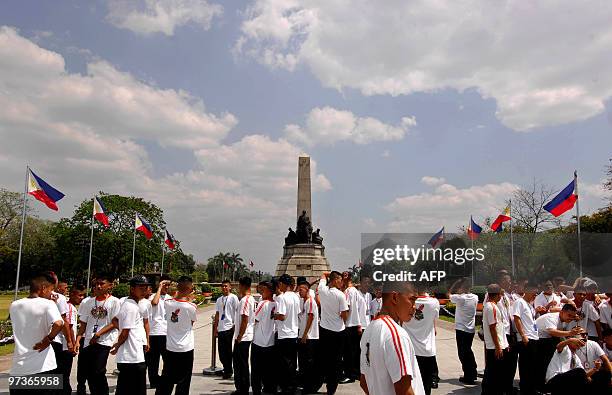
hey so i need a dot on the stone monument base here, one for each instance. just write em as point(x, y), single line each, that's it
point(306, 260)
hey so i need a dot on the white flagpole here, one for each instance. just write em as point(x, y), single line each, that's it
point(578, 220)
point(91, 244)
point(511, 240)
point(134, 248)
point(472, 261)
point(162, 263)
point(23, 220)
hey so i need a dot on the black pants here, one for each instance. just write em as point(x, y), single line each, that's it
point(494, 374)
point(287, 352)
point(96, 356)
point(132, 378)
point(546, 350)
point(81, 370)
point(64, 365)
point(224, 341)
point(240, 359)
point(511, 358)
point(350, 356)
point(178, 367)
point(157, 349)
point(426, 367)
point(572, 382)
point(466, 355)
point(332, 344)
point(528, 364)
point(309, 361)
point(261, 374)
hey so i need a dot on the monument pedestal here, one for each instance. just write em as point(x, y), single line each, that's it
point(306, 260)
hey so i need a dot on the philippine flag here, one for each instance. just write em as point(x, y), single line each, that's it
point(143, 226)
point(42, 191)
point(437, 238)
point(99, 212)
point(169, 240)
point(564, 201)
point(503, 217)
point(473, 229)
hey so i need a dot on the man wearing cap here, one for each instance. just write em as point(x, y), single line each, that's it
point(288, 307)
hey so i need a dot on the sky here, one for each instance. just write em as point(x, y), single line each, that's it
point(415, 114)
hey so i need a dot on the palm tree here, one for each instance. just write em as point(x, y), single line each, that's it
point(236, 261)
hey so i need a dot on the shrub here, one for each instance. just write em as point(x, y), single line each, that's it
point(216, 293)
point(121, 290)
point(206, 287)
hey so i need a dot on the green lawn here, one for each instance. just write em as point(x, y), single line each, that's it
point(5, 302)
point(8, 349)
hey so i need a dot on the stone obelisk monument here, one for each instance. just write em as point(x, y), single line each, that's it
point(303, 252)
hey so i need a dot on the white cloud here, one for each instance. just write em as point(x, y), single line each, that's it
point(328, 125)
point(541, 69)
point(161, 16)
point(432, 181)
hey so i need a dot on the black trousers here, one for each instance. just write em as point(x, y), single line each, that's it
point(466, 355)
point(157, 349)
point(546, 349)
point(64, 366)
point(350, 355)
point(96, 356)
point(262, 377)
point(224, 344)
point(132, 378)
point(426, 367)
point(572, 382)
point(511, 358)
point(332, 344)
point(240, 359)
point(309, 362)
point(527, 365)
point(494, 374)
point(81, 370)
point(177, 370)
point(287, 352)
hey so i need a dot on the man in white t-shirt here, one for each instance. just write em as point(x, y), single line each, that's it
point(565, 373)
point(388, 361)
point(605, 312)
point(334, 312)
point(81, 367)
point(308, 346)
point(547, 301)
point(496, 343)
point(262, 348)
point(422, 331)
point(353, 330)
point(607, 342)
point(36, 321)
point(376, 303)
point(223, 326)
point(244, 320)
point(157, 330)
point(364, 290)
point(77, 292)
point(180, 316)
point(592, 356)
point(527, 339)
point(62, 359)
point(129, 346)
point(288, 308)
point(465, 322)
point(587, 314)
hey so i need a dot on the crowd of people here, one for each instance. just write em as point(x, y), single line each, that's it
point(292, 335)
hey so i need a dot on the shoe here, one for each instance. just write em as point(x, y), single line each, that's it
point(345, 380)
point(219, 373)
point(226, 376)
point(467, 381)
point(434, 385)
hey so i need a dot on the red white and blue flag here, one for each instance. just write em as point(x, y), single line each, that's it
point(473, 229)
point(565, 200)
point(497, 226)
point(99, 212)
point(42, 191)
point(143, 226)
point(169, 240)
point(437, 238)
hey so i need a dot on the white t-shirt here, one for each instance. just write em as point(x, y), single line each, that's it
point(62, 306)
point(589, 315)
point(145, 308)
point(71, 315)
point(246, 306)
point(549, 321)
point(505, 308)
point(263, 331)
point(386, 356)
point(32, 319)
point(542, 300)
point(421, 327)
point(226, 307)
point(309, 307)
point(130, 317)
point(590, 353)
point(180, 316)
point(492, 315)
point(562, 362)
point(288, 304)
point(605, 313)
point(465, 311)
point(526, 312)
point(157, 323)
point(608, 351)
point(356, 307)
point(375, 306)
point(364, 316)
point(333, 302)
point(97, 314)
point(81, 306)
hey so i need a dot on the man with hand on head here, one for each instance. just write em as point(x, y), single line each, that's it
point(223, 326)
point(496, 344)
point(288, 307)
point(388, 361)
point(354, 327)
point(465, 327)
point(244, 320)
point(158, 330)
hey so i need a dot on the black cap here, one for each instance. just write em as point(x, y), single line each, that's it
point(285, 279)
point(139, 279)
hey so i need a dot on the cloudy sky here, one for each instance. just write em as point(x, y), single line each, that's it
point(416, 114)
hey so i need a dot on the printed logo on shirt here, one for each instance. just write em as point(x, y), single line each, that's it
point(175, 315)
point(418, 313)
point(99, 312)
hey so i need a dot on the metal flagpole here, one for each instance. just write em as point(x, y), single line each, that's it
point(23, 219)
point(511, 240)
point(472, 262)
point(91, 244)
point(578, 220)
point(162, 263)
point(133, 249)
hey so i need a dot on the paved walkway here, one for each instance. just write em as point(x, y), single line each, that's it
point(448, 363)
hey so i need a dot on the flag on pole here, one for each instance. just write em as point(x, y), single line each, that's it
point(503, 217)
point(473, 229)
point(99, 212)
point(251, 264)
point(437, 238)
point(42, 191)
point(169, 240)
point(564, 201)
point(143, 226)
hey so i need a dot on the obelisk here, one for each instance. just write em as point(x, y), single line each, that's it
point(303, 192)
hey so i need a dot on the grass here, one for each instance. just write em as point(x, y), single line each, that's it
point(7, 349)
point(5, 302)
